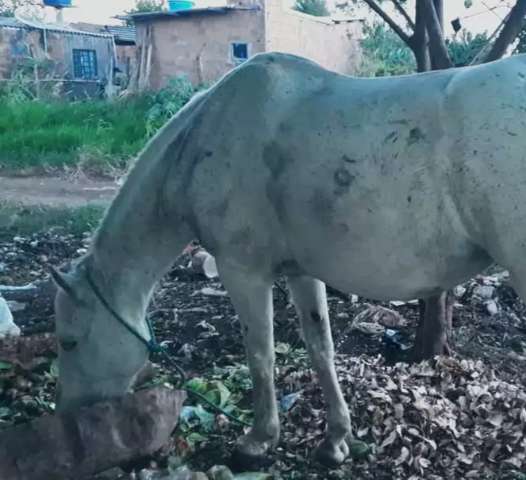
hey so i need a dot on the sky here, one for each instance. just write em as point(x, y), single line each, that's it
point(479, 17)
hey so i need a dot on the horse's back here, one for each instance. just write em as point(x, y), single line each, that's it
point(304, 163)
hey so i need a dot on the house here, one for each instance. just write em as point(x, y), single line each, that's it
point(205, 43)
point(68, 59)
point(124, 38)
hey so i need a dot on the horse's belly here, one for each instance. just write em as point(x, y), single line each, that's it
point(391, 263)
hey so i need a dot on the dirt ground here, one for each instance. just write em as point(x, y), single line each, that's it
point(65, 191)
point(456, 418)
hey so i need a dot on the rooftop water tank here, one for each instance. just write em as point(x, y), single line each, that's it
point(177, 5)
point(58, 3)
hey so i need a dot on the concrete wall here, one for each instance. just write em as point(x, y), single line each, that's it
point(17, 45)
point(126, 58)
point(199, 46)
point(335, 46)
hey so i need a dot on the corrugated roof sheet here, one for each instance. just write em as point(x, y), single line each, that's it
point(187, 13)
point(122, 33)
point(10, 22)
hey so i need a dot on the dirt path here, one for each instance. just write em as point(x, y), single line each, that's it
point(56, 191)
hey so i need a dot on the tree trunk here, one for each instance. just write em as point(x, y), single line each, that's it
point(419, 41)
point(509, 33)
point(434, 19)
point(434, 328)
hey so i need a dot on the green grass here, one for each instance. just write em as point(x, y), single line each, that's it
point(18, 220)
point(38, 134)
point(94, 134)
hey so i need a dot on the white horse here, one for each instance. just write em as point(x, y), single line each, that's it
point(414, 183)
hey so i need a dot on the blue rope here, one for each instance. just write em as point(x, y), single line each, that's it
point(155, 348)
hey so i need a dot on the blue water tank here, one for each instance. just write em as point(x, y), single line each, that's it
point(58, 3)
point(177, 5)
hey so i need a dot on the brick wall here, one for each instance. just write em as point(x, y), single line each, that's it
point(335, 46)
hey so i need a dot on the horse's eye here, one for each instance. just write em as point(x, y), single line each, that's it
point(68, 345)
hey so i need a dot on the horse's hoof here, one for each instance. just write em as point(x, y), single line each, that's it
point(330, 454)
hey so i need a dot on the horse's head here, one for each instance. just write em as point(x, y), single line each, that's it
point(97, 357)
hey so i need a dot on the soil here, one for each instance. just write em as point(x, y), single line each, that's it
point(65, 191)
point(202, 332)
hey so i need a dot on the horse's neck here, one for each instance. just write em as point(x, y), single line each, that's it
point(143, 230)
point(139, 237)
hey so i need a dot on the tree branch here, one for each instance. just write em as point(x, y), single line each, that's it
point(387, 19)
point(482, 52)
point(404, 13)
point(509, 33)
point(437, 45)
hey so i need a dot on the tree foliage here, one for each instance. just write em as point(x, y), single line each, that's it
point(317, 8)
point(8, 7)
point(521, 44)
point(384, 53)
point(464, 48)
point(147, 6)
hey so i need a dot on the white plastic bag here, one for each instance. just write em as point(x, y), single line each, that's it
point(7, 325)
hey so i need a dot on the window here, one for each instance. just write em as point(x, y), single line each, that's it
point(85, 64)
point(239, 52)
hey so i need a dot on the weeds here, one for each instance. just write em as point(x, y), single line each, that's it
point(16, 220)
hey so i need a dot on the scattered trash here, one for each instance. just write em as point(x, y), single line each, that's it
point(485, 292)
point(492, 307)
point(400, 303)
point(459, 291)
point(375, 319)
point(211, 292)
point(395, 338)
point(288, 401)
point(7, 324)
point(204, 263)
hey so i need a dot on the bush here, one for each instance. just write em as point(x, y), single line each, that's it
point(167, 102)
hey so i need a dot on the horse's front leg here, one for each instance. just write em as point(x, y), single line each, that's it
point(251, 295)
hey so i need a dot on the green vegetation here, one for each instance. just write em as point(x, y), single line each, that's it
point(95, 134)
point(17, 220)
point(464, 48)
point(142, 6)
point(384, 53)
point(8, 7)
point(317, 8)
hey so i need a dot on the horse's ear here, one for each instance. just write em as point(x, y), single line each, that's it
point(63, 281)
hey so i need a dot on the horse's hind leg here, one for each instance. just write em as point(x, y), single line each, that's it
point(251, 295)
point(309, 297)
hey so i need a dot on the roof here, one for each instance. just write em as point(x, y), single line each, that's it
point(144, 16)
point(122, 33)
point(12, 22)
